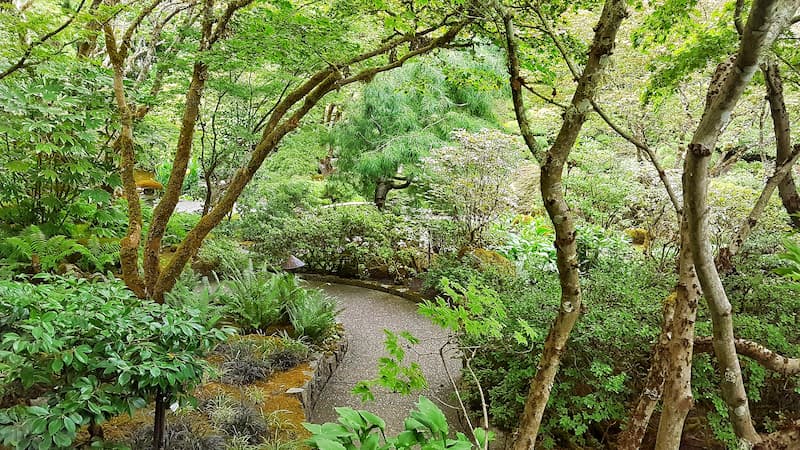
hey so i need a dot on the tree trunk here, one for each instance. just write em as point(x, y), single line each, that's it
point(160, 420)
point(87, 46)
point(677, 397)
point(614, 11)
point(783, 141)
point(382, 189)
point(631, 437)
point(172, 191)
point(310, 92)
point(767, 18)
point(129, 245)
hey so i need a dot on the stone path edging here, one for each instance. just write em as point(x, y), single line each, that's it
point(394, 289)
point(322, 370)
point(366, 312)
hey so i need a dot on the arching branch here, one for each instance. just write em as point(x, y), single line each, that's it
point(757, 352)
point(651, 155)
point(41, 40)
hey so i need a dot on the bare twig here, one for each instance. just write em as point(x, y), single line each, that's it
point(647, 150)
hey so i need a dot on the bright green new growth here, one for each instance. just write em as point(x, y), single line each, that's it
point(425, 427)
point(402, 115)
point(393, 372)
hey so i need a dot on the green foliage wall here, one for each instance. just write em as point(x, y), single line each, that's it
point(55, 163)
point(90, 351)
point(401, 115)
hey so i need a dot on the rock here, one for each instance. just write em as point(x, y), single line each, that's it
point(490, 259)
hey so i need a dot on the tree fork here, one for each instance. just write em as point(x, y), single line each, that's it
point(766, 19)
point(552, 163)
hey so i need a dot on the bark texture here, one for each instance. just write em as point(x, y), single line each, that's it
point(677, 395)
point(762, 355)
point(129, 245)
point(767, 18)
point(172, 191)
point(783, 139)
point(552, 162)
point(631, 437)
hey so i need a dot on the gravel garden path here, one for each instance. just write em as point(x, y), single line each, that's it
point(365, 314)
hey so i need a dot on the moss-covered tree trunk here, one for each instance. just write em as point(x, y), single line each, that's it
point(299, 102)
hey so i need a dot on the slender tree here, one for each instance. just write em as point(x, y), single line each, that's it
point(783, 138)
point(154, 280)
point(766, 20)
point(552, 168)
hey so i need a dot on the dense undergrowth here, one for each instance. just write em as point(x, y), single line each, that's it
point(417, 177)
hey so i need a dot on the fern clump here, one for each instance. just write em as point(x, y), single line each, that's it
point(32, 251)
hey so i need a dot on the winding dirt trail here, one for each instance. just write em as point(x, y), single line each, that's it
point(365, 314)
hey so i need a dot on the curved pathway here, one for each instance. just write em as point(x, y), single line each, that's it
point(365, 314)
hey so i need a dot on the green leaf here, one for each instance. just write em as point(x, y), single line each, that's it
point(63, 439)
point(430, 415)
point(326, 444)
point(54, 426)
point(351, 418)
point(373, 419)
point(69, 425)
point(57, 365)
point(38, 411)
point(371, 442)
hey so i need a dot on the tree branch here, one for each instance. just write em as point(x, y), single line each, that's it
point(673, 197)
point(44, 38)
point(766, 20)
point(516, 82)
point(573, 69)
point(125, 44)
point(222, 22)
point(757, 352)
point(542, 96)
point(724, 258)
point(310, 92)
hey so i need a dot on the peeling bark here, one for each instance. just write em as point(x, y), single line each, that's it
point(552, 162)
point(631, 437)
point(762, 355)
